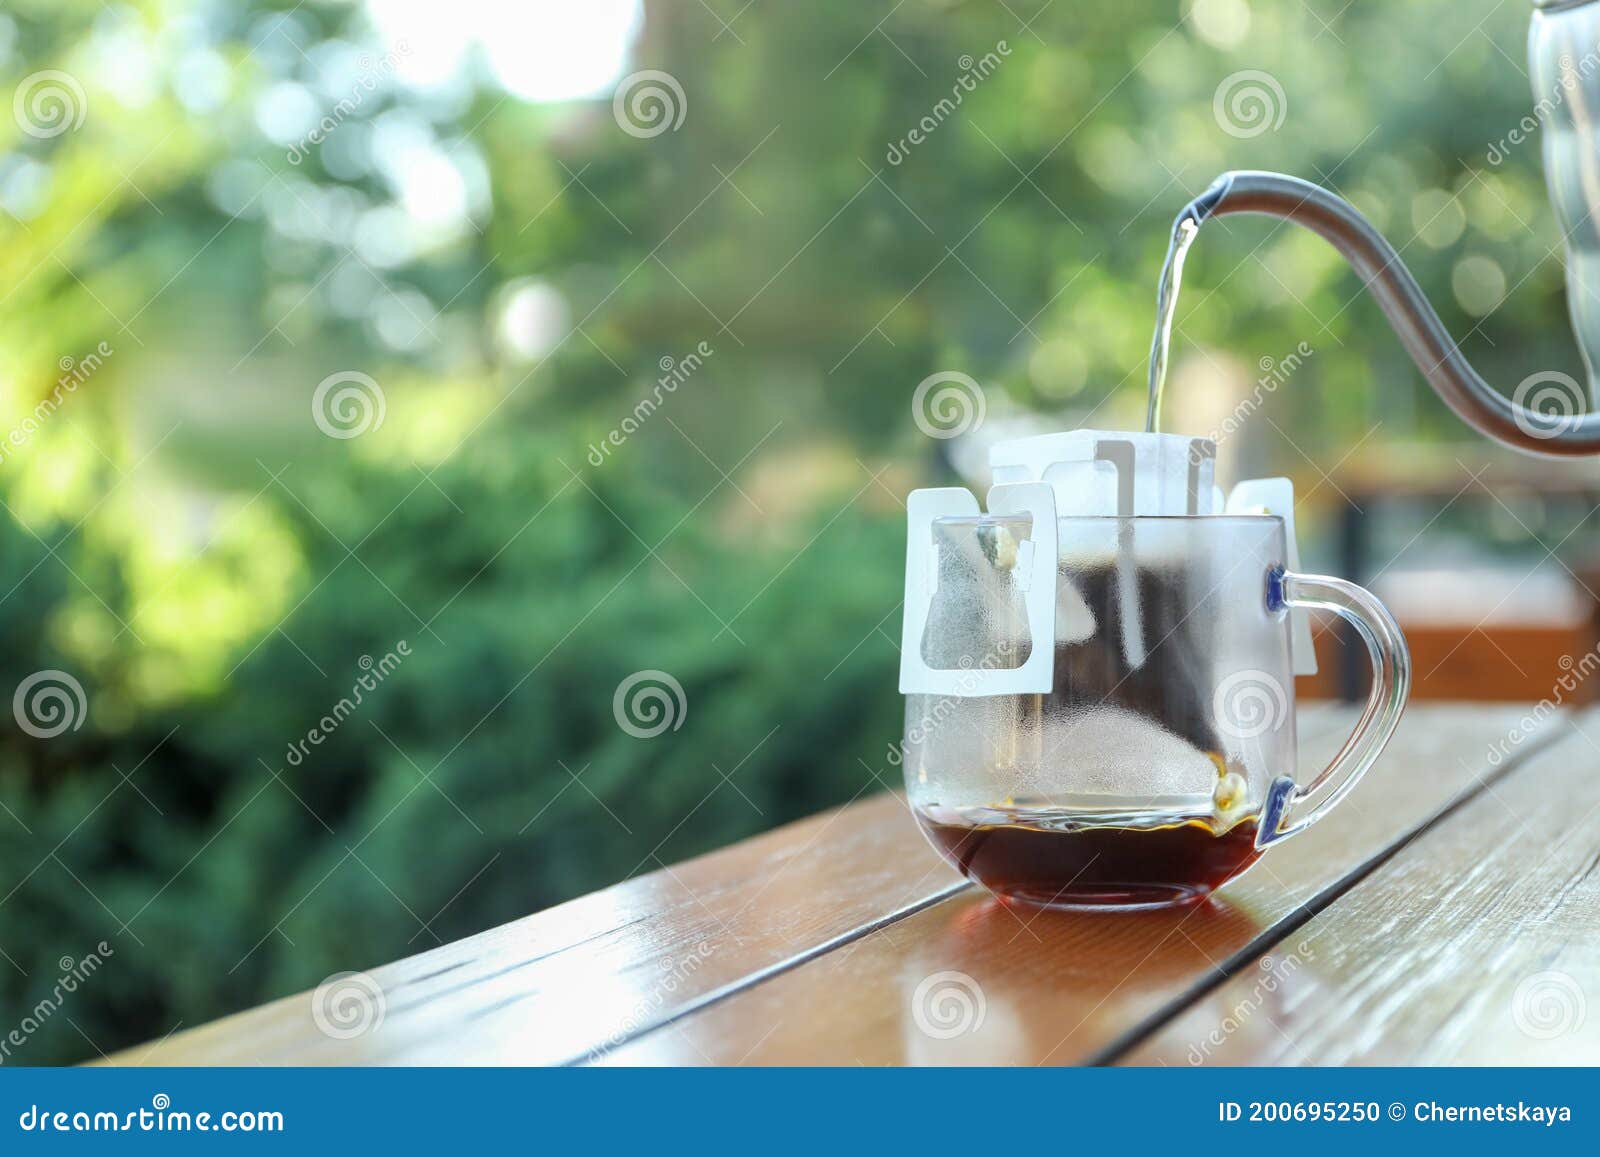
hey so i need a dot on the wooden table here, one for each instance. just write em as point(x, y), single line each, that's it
point(1448, 912)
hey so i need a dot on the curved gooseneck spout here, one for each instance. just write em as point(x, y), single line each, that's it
point(1485, 409)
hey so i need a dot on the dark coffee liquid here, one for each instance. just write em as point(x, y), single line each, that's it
point(1093, 866)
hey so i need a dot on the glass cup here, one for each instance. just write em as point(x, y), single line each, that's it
point(1161, 763)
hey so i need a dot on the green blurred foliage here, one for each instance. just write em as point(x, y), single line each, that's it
point(180, 537)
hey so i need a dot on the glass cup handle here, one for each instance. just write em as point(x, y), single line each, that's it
point(1391, 682)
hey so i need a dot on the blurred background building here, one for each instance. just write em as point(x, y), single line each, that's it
point(462, 362)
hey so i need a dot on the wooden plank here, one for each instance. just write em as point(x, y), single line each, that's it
point(1067, 987)
point(1479, 943)
point(1457, 663)
point(572, 978)
point(582, 976)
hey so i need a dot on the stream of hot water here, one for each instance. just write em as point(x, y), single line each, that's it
point(1183, 234)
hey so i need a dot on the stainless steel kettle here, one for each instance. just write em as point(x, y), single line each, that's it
point(1564, 57)
point(1564, 68)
